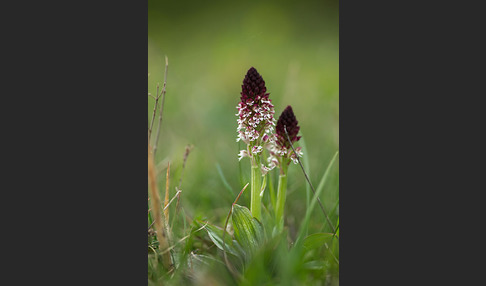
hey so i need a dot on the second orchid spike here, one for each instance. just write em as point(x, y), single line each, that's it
point(287, 119)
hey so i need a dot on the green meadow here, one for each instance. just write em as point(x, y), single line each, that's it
point(209, 47)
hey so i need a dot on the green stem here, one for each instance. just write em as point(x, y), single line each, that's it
point(256, 184)
point(281, 196)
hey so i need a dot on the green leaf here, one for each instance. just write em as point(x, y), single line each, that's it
point(248, 230)
point(314, 265)
point(216, 236)
point(337, 228)
point(205, 260)
point(317, 240)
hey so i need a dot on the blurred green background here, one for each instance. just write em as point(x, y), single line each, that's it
point(210, 45)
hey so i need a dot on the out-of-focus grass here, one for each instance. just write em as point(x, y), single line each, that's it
point(210, 47)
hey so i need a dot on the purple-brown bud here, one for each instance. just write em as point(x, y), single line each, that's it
point(287, 119)
point(253, 87)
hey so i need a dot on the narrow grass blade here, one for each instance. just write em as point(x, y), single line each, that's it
point(305, 158)
point(307, 168)
point(316, 196)
point(332, 213)
point(225, 182)
point(308, 213)
point(273, 198)
point(150, 220)
point(337, 228)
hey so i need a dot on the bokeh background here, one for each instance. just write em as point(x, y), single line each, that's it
point(210, 46)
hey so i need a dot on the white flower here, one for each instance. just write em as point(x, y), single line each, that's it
point(266, 169)
point(256, 149)
point(298, 153)
point(243, 153)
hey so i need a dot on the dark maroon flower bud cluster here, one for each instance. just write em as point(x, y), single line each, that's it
point(281, 147)
point(253, 87)
point(287, 119)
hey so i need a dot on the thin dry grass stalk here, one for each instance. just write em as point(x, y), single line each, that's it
point(161, 107)
point(154, 112)
point(189, 220)
point(186, 154)
point(185, 237)
point(166, 201)
point(156, 203)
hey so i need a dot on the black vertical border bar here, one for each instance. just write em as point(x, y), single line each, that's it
point(375, 153)
point(102, 146)
point(411, 143)
point(77, 73)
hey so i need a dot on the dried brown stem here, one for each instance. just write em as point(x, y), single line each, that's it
point(154, 112)
point(186, 154)
point(167, 207)
point(156, 203)
point(161, 107)
point(166, 201)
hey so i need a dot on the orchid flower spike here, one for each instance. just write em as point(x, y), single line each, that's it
point(281, 147)
point(255, 114)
